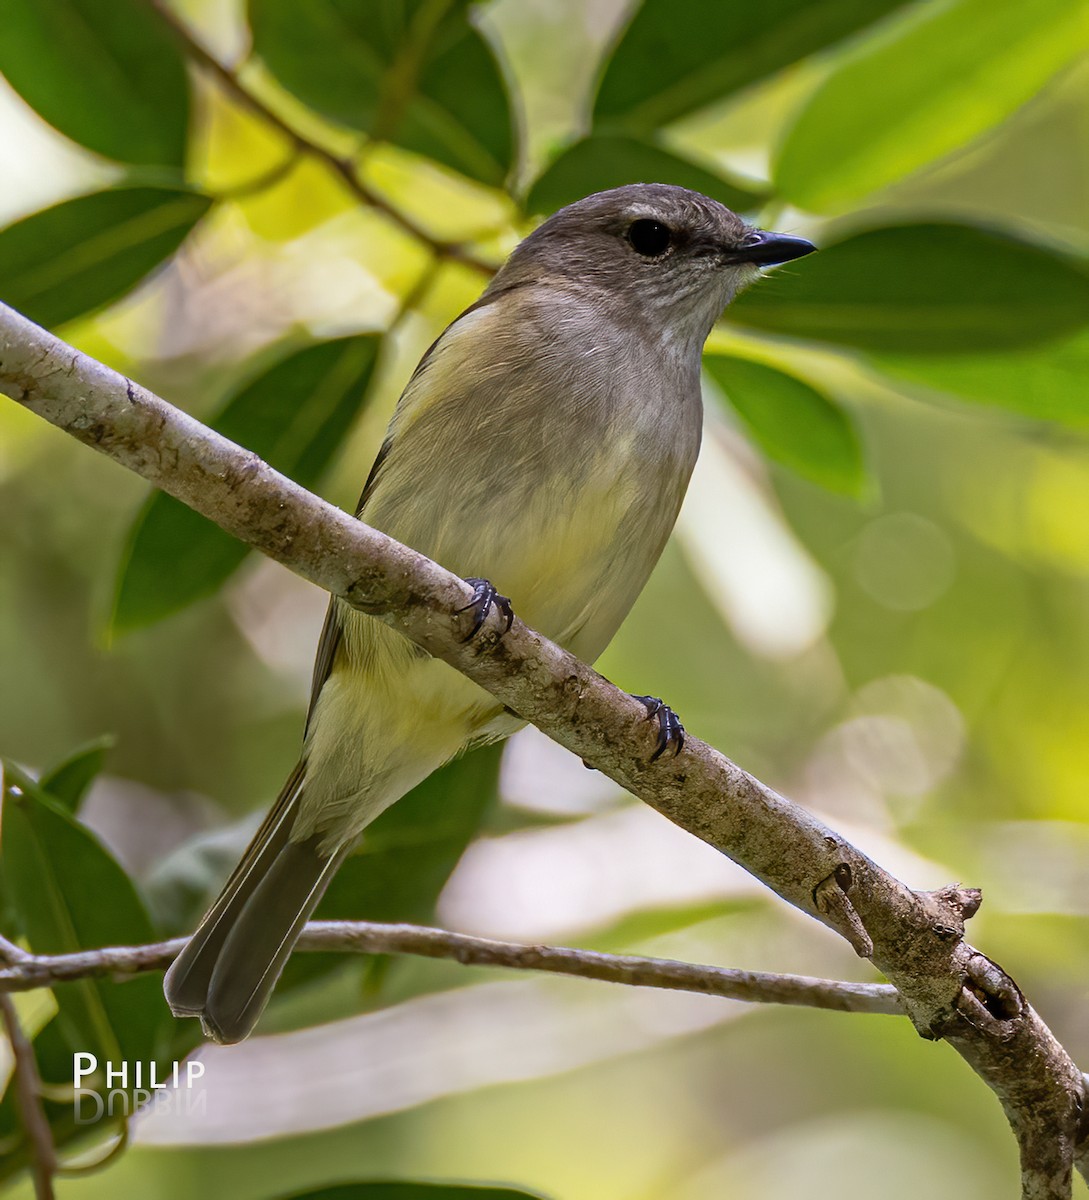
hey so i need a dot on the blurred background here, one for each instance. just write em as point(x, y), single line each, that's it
point(875, 599)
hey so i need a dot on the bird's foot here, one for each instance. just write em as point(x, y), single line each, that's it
point(485, 598)
point(670, 729)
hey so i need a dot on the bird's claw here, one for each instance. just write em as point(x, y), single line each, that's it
point(670, 729)
point(485, 598)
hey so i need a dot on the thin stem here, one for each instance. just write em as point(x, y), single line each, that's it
point(365, 937)
point(28, 1092)
point(11, 953)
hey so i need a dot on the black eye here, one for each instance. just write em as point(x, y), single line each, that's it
point(649, 238)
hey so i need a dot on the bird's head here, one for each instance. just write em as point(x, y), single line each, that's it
point(659, 253)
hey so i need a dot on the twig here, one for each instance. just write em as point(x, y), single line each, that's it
point(28, 1092)
point(365, 937)
point(342, 167)
point(915, 939)
point(11, 953)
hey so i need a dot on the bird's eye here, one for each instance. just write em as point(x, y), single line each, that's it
point(649, 238)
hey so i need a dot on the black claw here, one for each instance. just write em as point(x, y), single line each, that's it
point(485, 598)
point(670, 730)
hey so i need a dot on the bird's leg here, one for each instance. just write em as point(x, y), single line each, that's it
point(485, 598)
point(670, 730)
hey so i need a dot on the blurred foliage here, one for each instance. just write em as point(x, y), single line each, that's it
point(294, 415)
point(793, 423)
point(85, 253)
point(132, 101)
point(877, 598)
point(411, 1191)
point(416, 74)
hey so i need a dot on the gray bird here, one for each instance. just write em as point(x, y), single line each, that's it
point(541, 449)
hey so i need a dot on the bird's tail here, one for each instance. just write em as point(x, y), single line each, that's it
point(228, 968)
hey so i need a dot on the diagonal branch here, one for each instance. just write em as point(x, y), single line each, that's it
point(28, 1093)
point(365, 937)
point(948, 989)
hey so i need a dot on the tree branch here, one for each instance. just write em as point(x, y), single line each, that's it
point(10, 953)
point(344, 168)
point(365, 937)
point(28, 1087)
point(948, 989)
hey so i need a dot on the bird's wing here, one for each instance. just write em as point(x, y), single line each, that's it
point(333, 627)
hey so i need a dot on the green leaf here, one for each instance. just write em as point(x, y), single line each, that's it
point(70, 894)
point(69, 780)
point(108, 75)
point(793, 423)
point(678, 56)
point(1047, 383)
point(295, 416)
point(417, 73)
point(603, 161)
point(934, 81)
point(397, 1189)
point(923, 289)
point(83, 254)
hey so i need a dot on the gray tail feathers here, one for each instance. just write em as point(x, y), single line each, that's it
point(228, 968)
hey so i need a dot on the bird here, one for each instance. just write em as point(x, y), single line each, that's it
point(541, 451)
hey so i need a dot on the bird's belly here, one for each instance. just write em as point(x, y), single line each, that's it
point(572, 551)
point(580, 568)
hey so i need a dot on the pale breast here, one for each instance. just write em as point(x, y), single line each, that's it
point(545, 450)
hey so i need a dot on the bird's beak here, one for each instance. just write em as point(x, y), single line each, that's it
point(766, 249)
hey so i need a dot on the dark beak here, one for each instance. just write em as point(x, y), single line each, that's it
point(766, 249)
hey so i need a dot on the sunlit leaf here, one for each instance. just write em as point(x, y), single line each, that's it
point(1046, 382)
point(69, 780)
point(923, 289)
point(603, 161)
point(678, 56)
point(793, 423)
point(295, 416)
point(85, 253)
point(108, 75)
point(417, 74)
point(937, 79)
